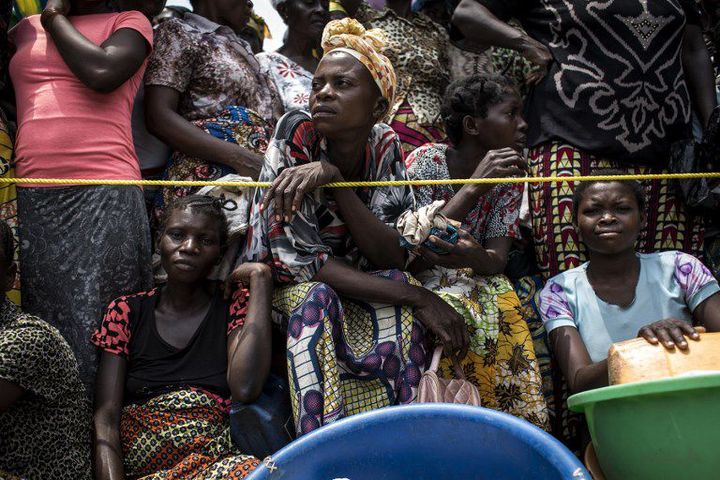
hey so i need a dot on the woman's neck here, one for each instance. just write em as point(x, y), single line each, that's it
point(347, 152)
point(463, 159)
point(183, 297)
point(612, 268)
point(205, 10)
point(401, 7)
point(299, 49)
point(89, 8)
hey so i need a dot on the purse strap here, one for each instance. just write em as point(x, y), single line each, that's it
point(457, 368)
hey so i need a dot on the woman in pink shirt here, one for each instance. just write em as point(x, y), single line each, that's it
point(76, 70)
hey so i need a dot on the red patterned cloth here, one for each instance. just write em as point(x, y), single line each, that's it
point(557, 246)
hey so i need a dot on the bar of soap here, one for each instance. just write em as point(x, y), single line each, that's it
point(637, 360)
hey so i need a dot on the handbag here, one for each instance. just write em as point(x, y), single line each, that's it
point(433, 389)
point(690, 156)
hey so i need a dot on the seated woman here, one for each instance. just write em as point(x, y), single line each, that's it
point(291, 67)
point(44, 413)
point(619, 293)
point(482, 117)
point(355, 340)
point(173, 356)
point(206, 98)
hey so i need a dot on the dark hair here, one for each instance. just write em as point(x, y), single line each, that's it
point(211, 207)
point(7, 244)
point(635, 187)
point(473, 96)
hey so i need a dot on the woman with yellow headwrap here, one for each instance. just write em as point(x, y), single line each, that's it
point(355, 340)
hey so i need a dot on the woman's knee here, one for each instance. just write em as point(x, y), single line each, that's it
point(321, 304)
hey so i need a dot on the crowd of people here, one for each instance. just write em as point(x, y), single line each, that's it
point(134, 317)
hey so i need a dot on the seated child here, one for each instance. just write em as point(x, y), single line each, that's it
point(482, 115)
point(172, 358)
point(44, 411)
point(619, 293)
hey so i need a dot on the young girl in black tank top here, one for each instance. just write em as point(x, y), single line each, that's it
point(174, 356)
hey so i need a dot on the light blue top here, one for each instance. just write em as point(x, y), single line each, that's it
point(671, 285)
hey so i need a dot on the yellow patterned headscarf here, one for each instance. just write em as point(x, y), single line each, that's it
point(349, 36)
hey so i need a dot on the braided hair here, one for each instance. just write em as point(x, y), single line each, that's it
point(472, 95)
point(7, 244)
point(211, 207)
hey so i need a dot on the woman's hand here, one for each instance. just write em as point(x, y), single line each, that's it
point(505, 162)
point(460, 255)
point(53, 8)
point(293, 183)
point(671, 332)
point(60, 6)
point(537, 54)
point(245, 275)
point(441, 319)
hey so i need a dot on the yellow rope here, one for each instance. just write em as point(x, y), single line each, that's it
point(455, 181)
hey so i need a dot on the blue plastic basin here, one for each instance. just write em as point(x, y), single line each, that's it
point(425, 441)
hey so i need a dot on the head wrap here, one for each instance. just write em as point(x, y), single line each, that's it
point(259, 26)
point(349, 36)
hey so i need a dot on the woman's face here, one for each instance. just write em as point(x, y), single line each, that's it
point(504, 125)
point(344, 95)
point(189, 246)
point(234, 13)
point(306, 18)
point(609, 218)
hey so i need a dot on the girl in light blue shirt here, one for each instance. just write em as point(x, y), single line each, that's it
point(620, 294)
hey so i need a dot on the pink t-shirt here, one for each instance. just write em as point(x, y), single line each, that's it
point(65, 129)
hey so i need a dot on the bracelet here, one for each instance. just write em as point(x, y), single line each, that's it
point(47, 16)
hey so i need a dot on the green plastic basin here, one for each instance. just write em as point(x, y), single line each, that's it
point(658, 429)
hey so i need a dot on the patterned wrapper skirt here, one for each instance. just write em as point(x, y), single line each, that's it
point(234, 125)
point(566, 426)
point(557, 246)
point(182, 434)
point(348, 356)
point(81, 248)
point(412, 133)
point(501, 361)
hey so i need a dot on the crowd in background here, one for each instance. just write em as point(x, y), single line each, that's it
point(137, 320)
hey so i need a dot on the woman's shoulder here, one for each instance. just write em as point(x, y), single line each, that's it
point(431, 156)
point(124, 304)
point(295, 126)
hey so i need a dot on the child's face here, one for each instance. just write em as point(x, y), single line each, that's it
point(504, 125)
point(189, 246)
point(609, 218)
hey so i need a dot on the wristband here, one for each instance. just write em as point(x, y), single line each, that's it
point(47, 16)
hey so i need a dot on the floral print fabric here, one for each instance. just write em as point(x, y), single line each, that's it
point(496, 213)
point(292, 81)
point(211, 67)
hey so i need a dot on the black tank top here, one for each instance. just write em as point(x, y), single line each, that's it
point(155, 367)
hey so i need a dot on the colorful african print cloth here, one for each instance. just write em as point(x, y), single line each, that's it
point(501, 361)
point(297, 250)
point(669, 225)
point(423, 72)
point(293, 82)
point(25, 8)
point(347, 356)
point(565, 425)
point(8, 198)
point(46, 432)
point(234, 125)
point(496, 213)
point(181, 434)
point(412, 133)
